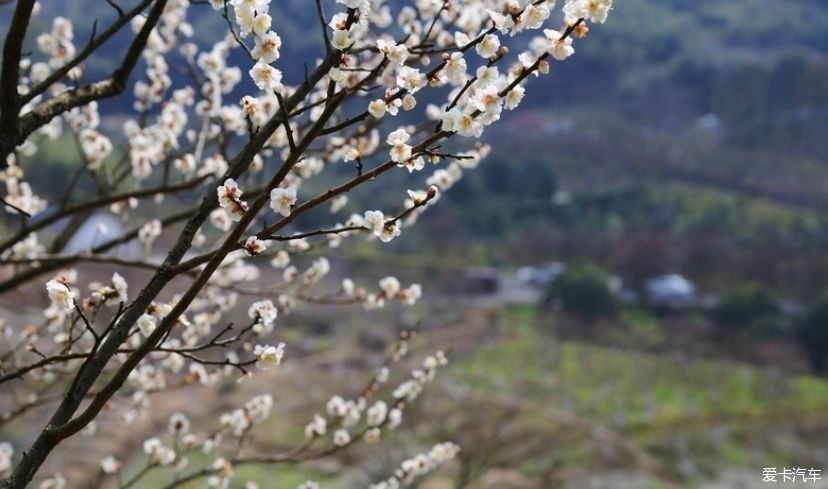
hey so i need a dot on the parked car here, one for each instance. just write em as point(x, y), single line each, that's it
point(540, 275)
point(670, 291)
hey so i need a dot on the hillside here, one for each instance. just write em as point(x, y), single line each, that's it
point(716, 99)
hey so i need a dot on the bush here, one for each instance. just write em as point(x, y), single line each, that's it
point(812, 335)
point(769, 326)
point(584, 291)
point(744, 306)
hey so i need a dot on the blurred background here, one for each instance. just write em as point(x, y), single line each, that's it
point(632, 284)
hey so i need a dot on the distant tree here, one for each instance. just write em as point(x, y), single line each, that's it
point(746, 305)
point(584, 291)
point(812, 334)
point(644, 254)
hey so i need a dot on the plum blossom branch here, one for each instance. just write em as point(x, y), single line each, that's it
point(291, 134)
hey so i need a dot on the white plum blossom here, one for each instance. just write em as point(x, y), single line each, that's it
point(146, 324)
point(341, 437)
point(396, 53)
point(514, 97)
point(488, 46)
point(348, 287)
point(409, 102)
point(256, 5)
point(96, 147)
point(251, 21)
point(341, 40)
point(377, 108)
point(410, 295)
point(375, 221)
point(269, 356)
point(149, 232)
point(318, 269)
point(376, 414)
point(221, 219)
point(158, 453)
point(390, 286)
point(60, 295)
point(179, 424)
point(389, 232)
point(266, 77)
point(558, 48)
point(281, 260)
point(400, 152)
point(282, 199)
point(410, 79)
point(503, 22)
point(229, 196)
point(351, 3)
point(372, 436)
point(487, 76)
point(109, 465)
point(455, 68)
point(263, 311)
point(254, 246)
point(28, 248)
point(463, 124)
point(317, 427)
point(594, 10)
point(534, 16)
point(394, 418)
point(418, 466)
point(338, 203)
point(6, 452)
point(337, 406)
point(266, 51)
point(57, 481)
point(258, 408)
point(414, 164)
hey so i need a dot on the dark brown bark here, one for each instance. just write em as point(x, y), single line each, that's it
point(62, 424)
point(9, 79)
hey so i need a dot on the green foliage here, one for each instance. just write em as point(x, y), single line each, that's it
point(812, 334)
point(644, 397)
point(746, 307)
point(584, 291)
point(770, 326)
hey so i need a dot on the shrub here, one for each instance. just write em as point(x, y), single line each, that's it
point(743, 306)
point(584, 291)
point(812, 335)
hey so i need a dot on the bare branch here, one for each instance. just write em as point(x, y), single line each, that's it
point(96, 203)
point(286, 121)
point(9, 79)
point(17, 209)
point(116, 7)
point(320, 13)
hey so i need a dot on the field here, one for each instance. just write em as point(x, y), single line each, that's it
point(533, 411)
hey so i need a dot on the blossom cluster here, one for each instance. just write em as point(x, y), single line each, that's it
point(255, 147)
point(6, 452)
point(416, 467)
point(345, 415)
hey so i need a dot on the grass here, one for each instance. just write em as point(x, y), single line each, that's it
point(721, 409)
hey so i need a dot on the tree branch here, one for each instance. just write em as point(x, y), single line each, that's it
point(9, 79)
point(94, 204)
point(91, 47)
point(108, 87)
